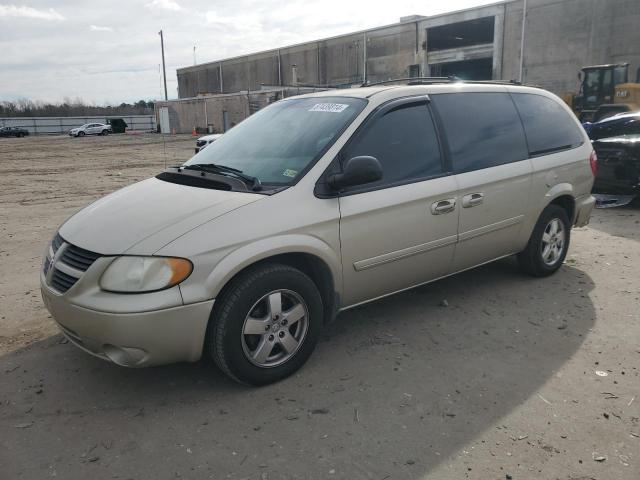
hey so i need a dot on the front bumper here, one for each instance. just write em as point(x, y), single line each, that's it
point(584, 207)
point(133, 339)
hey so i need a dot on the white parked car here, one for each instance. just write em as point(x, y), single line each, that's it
point(90, 129)
point(206, 140)
point(314, 205)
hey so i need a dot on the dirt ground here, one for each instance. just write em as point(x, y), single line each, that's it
point(516, 378)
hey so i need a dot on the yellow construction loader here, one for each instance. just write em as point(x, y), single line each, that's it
point(605, 90)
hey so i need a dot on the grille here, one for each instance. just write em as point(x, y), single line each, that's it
point(61, 281)
point(47, 265)
point(56, 242)
point(71, 256)
point(77, 257)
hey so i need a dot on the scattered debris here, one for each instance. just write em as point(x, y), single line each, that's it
point(609, 395)
point(356, 416)
point(545, 400)
point(24, 425)
point(599, 458)
point(521, 437)
point(601, 373)
point(12, 369)
point(319, 411)
point(410, 462)
point(444, 303)
point(631, 401)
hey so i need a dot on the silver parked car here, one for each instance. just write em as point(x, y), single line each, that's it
point(205, 140)
point(90, 129)
point(314, 205)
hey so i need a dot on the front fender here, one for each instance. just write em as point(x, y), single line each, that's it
point(248, 254)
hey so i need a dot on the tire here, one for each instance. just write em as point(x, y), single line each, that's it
point(105, 132)
point(250, 304)
point(81, 134)
point(538, 260)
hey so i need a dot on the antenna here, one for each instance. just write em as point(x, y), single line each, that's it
point(164, 70)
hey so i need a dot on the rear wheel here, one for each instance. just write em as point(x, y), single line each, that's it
point(266, 324)
point(549, 242)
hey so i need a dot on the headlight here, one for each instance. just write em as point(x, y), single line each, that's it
point(144, 274)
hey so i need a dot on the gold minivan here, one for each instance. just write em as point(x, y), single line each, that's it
point(316, 204)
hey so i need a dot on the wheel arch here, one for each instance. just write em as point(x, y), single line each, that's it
point(562, 195)
point(312, 266)
point(308, 254)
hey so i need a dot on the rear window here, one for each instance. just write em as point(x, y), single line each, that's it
point(548, 126)
point(482, 129)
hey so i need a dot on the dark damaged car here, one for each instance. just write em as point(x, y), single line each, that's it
point(621, 124)
point(618, 165)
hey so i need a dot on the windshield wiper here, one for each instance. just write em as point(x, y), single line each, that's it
point(256, 185)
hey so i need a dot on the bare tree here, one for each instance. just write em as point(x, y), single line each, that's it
point(71, 108)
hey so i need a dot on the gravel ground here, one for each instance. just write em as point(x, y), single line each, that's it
point(516, 378)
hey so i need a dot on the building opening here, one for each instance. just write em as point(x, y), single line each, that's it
point(461, 34)
point(478, 69)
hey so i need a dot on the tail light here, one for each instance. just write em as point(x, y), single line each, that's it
point(593, 161)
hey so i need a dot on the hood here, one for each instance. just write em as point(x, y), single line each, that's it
point(145, 216)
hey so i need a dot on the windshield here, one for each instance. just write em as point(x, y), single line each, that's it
point(279, 142)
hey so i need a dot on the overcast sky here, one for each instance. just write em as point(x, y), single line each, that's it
point(109, 51)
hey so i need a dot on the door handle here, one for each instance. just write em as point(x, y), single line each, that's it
point(472, 199)
point(443, 206)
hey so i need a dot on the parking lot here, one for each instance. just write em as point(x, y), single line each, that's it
point(489, 374)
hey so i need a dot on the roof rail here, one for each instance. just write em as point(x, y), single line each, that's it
point(432, 80)
point(410, 80)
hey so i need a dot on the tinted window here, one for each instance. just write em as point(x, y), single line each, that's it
point(404, 140)
point(547, 125)
point(483, 129)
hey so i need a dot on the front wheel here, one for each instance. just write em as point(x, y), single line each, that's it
point(81, 134)
point(105, 132)
point(549, 243)
point(266, 324)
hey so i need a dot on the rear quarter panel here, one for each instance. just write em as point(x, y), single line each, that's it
point(562, 173)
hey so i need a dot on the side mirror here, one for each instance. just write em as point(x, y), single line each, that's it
point(356, 171)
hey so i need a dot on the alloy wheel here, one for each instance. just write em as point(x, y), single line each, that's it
point(275, 328)
point(553, 242)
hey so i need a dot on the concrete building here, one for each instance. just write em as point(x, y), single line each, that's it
point(560, 37)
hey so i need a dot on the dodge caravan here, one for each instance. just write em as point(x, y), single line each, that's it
point(313, 205)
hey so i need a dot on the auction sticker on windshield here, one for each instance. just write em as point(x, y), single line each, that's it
point(329, 107)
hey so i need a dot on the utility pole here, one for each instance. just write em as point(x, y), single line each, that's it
point(194, 55)
point(164, 70)
point(524, 24)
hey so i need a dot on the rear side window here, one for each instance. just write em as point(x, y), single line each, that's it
point(483, 129)
point(405, 143)
point(548, 126)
